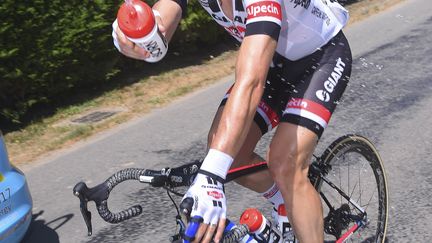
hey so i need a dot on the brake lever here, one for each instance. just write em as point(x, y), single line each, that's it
point(80, 190)
point(97, 194)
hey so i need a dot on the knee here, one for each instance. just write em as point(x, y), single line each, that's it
point(288, 165)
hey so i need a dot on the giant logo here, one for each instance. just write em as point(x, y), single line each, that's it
point(322, 95)
point(331, 82)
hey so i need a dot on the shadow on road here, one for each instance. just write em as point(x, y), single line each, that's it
point(42, 231)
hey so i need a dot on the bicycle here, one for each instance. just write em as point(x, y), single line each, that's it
point(350, 215)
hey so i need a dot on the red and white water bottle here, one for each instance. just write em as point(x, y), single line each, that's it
point(285, 226)
point(137, 21)
point(260, 227)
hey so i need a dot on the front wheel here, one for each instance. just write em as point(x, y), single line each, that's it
point(354, 191)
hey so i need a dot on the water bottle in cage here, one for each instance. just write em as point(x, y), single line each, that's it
point(285, 226)
point(261, 228)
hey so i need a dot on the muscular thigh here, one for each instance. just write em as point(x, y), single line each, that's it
point(316, 92)
point(301, 94)
point(304, 92)
point(291, 148)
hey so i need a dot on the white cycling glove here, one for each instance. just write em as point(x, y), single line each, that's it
point(209, 202)
point(209, 199)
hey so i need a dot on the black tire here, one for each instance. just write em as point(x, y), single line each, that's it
point(357, 169)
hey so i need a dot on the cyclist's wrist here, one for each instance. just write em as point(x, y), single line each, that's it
point(217, 163)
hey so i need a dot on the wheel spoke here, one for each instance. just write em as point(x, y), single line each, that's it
point(370, 199)
point(354, 181)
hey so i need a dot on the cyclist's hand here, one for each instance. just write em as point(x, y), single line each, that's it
point(127, 47)
point(209, 209)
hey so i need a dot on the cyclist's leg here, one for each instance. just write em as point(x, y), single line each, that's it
point(288, 156)
point(260, 181)
point(311, 102)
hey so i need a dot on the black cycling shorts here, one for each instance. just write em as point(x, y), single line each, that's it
point(305, 92)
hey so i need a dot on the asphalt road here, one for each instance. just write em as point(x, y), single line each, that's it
point(388, 100)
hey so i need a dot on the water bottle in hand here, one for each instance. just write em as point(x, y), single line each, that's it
point(137, 21)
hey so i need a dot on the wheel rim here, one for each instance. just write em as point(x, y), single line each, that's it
point(356, 170)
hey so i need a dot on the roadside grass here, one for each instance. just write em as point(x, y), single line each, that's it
point(136, 99)
point(57, 131)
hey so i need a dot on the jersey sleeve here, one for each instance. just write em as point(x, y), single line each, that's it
point(263, 17)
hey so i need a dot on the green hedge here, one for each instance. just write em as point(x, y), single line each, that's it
point(50, 47)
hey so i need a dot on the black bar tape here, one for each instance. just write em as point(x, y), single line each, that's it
point(115, 218)
point(125, 174)
point(110, 183)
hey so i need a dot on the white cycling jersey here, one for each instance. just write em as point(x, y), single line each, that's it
point(300, 26)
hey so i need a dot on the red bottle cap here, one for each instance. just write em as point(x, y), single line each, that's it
point(253, 218)
point(282, 210)
point(135, 20)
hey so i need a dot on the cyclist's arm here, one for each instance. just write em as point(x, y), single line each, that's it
point(255, 55)
point(257, 49)
point(253, 62)
point(171, 13)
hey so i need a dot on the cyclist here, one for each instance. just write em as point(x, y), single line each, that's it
point(293, 65)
